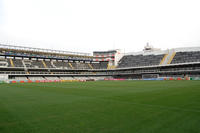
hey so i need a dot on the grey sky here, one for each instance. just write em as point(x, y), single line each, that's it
point(90, 25)
point(1, 12)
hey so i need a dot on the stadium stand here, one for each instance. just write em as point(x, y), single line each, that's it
point(71, 65)
point(61, 64)
point(17, 63)
point(47, 64)
point(37, 64)
point(103, 65)
point(185, 57)
point(10, 62)
point(66, 78)
point(95, 65)
point(21, 78)
point(99, 65)
point(140, 60)
point(80, 65)
point(52, 78)
point(3, 62)
point(27, 63)
point(36, 78)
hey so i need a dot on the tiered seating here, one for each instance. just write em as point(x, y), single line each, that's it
point(80, 78)
point(32, 63)
point(36, 78)
point(48, 64)
point(37, 64)
point(20, 78)
point(42, 53)
point(103, 65)
point(52, 78)
point(140, 60)
point(28, 63)
point(86, 66)
point(79, 65)
point(17, 63)
point(9, 64)
point(72, 66)
point(185, 57)
point(68, 66)
point(3, 62)
point(95, 65)
point(39, 72)
point(66, 78)
point(61, 64)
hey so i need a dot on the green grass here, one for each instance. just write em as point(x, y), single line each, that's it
point(101, 107)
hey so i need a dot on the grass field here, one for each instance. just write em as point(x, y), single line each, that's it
point(101, 107)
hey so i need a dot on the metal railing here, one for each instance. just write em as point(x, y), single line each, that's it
point(5, 46)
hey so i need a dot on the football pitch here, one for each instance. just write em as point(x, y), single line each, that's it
point(101, 107)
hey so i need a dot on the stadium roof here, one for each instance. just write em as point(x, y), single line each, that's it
point(4, 46)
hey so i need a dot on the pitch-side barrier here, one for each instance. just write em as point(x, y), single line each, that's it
point(106, 79)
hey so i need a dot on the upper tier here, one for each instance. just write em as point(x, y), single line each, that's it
point(140, 60)
point(32, 63)
point(172, 56)
point(19, 51)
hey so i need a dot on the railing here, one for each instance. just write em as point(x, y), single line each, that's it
point(42, 50)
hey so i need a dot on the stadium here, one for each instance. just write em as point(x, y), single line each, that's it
point(26, 64)
point(45, 90)
point(99, 66)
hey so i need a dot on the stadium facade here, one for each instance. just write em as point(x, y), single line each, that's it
point(26, 64)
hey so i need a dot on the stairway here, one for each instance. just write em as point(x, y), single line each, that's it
point(53, 64)
point(71, 65)
point(11, 62)
point(24, 64)
point(44, 64)
point(164, 58)
point(25, 68)
point(90, 66)
point(171, 58)
point(167, 59)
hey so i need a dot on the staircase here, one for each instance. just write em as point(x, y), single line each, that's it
point(24, 64)
point(90, 66)
point(171, 58)
point(53, 64)
point(71, 65)
point(167, 59)
point(11, 62)
point(25, 68)
point(164, 58)
point(44, 64)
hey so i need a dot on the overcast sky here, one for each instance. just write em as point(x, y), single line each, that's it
point(88, 25)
